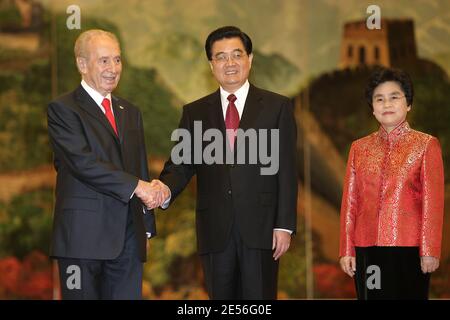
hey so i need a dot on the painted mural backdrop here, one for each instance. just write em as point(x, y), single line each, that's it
point(320, 53)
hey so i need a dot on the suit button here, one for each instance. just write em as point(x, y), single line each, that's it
point(229, 191)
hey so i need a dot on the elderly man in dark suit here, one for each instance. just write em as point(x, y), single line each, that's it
point(101, 218)
point(244, 217)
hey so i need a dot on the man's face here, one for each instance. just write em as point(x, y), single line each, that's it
point(230, 63)
point(102, 67)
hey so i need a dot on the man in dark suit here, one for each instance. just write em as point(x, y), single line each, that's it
point(101, 220)
point(244, 217)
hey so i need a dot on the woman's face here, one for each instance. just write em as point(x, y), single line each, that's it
point(389, 105)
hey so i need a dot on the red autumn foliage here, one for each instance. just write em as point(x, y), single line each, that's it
point(332, 283)
point(27, 279)
point(440, 282)
point(10, 270)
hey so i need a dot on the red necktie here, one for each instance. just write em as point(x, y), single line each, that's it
point(108, 113)
point(232, 120)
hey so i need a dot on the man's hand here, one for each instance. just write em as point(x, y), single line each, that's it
point(280, 243)
point(152, 194)
point(162, 192)
point(429, 264)
point(348, 265)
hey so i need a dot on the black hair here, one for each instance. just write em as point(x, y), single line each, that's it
point(382, 75)
point(227, 32)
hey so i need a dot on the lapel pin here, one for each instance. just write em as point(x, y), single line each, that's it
point(121, 107)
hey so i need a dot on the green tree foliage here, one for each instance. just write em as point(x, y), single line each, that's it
point(160, 109)
point(431, 111)
point(292, 272)
point(25, 223)
point(175, 245)
point(23, 135)
point(9, 17)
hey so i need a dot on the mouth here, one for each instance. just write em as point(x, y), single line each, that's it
point(110, 79)
point(231, 72)
point(387, 113)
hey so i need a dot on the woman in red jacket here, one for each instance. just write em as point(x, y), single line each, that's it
point(393, 199)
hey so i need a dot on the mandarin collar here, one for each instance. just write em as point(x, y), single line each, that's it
point(396, 133)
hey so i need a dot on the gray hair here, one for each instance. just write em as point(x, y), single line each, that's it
point(83, 39)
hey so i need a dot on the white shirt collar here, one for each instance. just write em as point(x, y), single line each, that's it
point(241, 96)
point(95, 95)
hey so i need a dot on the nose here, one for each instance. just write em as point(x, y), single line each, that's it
point(230, 61)
point(113, 67)
point(388, 103)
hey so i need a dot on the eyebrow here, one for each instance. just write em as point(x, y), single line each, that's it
point(235, 50)
point(389, 94)
point(107, 57)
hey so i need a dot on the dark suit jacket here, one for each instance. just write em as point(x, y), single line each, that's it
point(96, 174)
point(226, 193)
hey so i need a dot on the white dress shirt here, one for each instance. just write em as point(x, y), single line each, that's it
point(241, 97)
point(96, 96)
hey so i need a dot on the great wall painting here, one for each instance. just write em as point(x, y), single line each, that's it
point(317, 52)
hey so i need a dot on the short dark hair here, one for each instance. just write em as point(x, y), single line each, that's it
point(227, 32)
point(382, 75)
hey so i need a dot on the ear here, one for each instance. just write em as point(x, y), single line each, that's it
point(211, 65)
point(250, 59)
point(82, 65)
point(408, 108)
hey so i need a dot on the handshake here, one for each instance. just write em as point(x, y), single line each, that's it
point(152, 194)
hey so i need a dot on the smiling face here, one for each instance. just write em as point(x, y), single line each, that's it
point(230, 63)
point(102, 66)
point(389, 105)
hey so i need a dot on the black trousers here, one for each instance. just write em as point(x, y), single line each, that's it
point(390, 273)
point(240, 272)
point(117, 279)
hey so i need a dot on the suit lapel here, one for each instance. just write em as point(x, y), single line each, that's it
point(215, 115)
point(252, 109)
point(89, 105)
